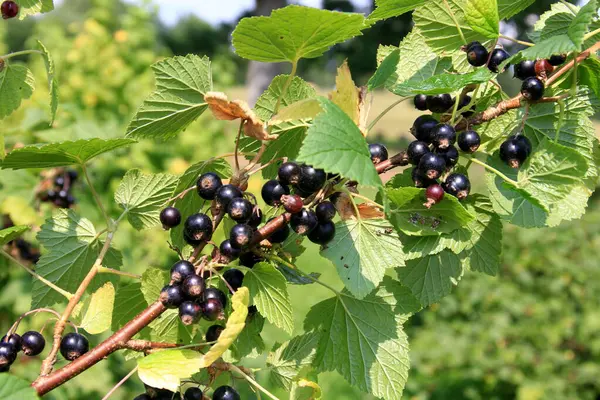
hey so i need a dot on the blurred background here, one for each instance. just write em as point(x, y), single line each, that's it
point(531, 333)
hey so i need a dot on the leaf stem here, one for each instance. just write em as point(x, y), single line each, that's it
point(590, 34)
point(252, 381)
point(492, 169)
point(382, 114)
point(573, 90)
point(20, 53)
point(121, 382)
point(237, 145)
point(455, 22)
point(106, 270)
point(95, 195)
point(453, 118)
point(289, 264)
point(365, 198)
point(284, 89)
point(521, 42)
point(15, 326)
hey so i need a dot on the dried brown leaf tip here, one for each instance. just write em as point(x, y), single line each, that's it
point(369, 211)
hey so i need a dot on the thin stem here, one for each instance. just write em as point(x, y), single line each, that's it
point(20, 53)
point(121, 382)
point(456, 102)
point(349, 193)
point(284, 89)
point(266, 165)
point(288, 264)
point(369, 201)
point(494, 170)
point(257, 157)
point(528, 44)
point(106, 270)
point(561, 118)
point(95, 194)
point(15, 326)
point(35, 275)
point(381, 114)
point(252, 381)
point(590, 34)
point(237, 144)
point(455, 22)
point(573, 90)
point(180, 195)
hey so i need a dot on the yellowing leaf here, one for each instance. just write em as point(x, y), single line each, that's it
point(303, 109)
point(98, 315)
point(346, 94)
point(165, 369)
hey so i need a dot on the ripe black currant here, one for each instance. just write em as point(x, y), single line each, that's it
point(208, 184)
point(212, 309)
point(432, 165)
point(213, 333)
point(416, 150)
point(9, 9)
point(170, 217)
point(14, 339)
point(450, 155)
point(72, 175)
point(289, 173)
point(143, 396)
point(33, 343)
point(457, 185)
point(523, 142)
point(378, 152)
point(439, 103)
point(193, 393)
point(216, 294)
point(239, 209)
point(197, 229)
point(171, 296)
point(420, 180)
point(189, 312)
point(62, 199)
point(325, 211)
point(304, 221)
point(225, 393)
point(515, 151)
point(252, 310)
point(272, 191)
point(234, 277)
point(292, 203)
point(323, 233)
point(256, 217)
point(280, 235)
point(241, 235)
point(444, 136)
point(469, 141)
point(525, 69)
point(163, 394)
point(423, 127)
point(181, 270)
point(225, 194)
point(532, 89)
point(228, 251)
point(477, 55)
point(434, 194)
point(420, 102)
point(193, 286)
point(8, 354)
point(73, 345)
point(59, 181)
point(557, 59)
point(311, 179)
point(250, 259)
point(498, 56)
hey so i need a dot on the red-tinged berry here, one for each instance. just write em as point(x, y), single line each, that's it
point(197, 229)
point(213, 333)
point(234, 277)
point(193, 286)
point(289, 173)
point(280, 235)
point(212, 309)
point(469, 141)
point(423, 127)
point(33, 343)
point(9, 9)
point(311, 179)
point(416, 150)
point(457, 185)
point(181, 270)
point(557, 59)
point(8, 354)
point(525, 69)
point(434, 194)
point(325, 211)
point(256, 217)
point(226, 393)
point(189, 312)
point(378, 152)
point(543, 68)
point(292, 203)
point(214, 293)
point(497, 57)
point(170, 217)
point(240, 209)
point(272, 191)
point(208, 184)
point(444, 136)
point(432, 165)
point(323, 233)
point(420, 102)
point(532, 89)
point(73, 345)
point(225, 194)
point(171, 296)
point(241, 235)
point(228, 251)
point(304, 222)
point(450, 155)
point(477, 55)
point(439, 103)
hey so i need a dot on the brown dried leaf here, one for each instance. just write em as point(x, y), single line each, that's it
point(369, 211)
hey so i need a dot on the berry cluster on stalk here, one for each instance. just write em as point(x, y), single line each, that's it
point(57, 189)
point(19, 247)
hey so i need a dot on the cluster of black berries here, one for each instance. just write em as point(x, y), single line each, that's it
point(9, 9)
point(60, 193)
point(31, 343)
point(192, 393)
point(25, 250)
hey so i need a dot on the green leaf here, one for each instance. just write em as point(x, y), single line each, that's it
point(249, 342)
point(408, 214)
point(286, 361)
point(335, 144)
point(393, 8)
point(508, 8)
point(153, 280)
point(169, 328)
point(181, 83)
point(431, 278)
point(52, 82)
point(9, 234)
point(14, 388)
point(589, 75)
point(16, 84)
point(442, 83)
point(554, 22)
point(298, 89)
point(580, 24)
point(294, 32)
point(363, 339)
point(32, 7)
point(165, 369)
point(60, 154)
point(293, 277)
point(268, 291)
point(98, 308)
point(571, 207)
point(129, 302)
point(482, 16)
point(143, 196)
point(385, 70)
point(362, 251)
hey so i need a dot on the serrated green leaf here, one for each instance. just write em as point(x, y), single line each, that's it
point(16, 84)
point(362, 250)
point(482, 16)
point(153, 280)
point(431, 278)
point(580, 24)
point(298, 89)
point(9, 234)
point(589, 75)
point(293, 277)
point(393, 8)
point(288, 359)
point(32, 7)
point(335, 144)
point(15, 388)
point(572, 207)
point(181, 83)
point(60, 154)
point(143, 196)
point(553, 22)
point(384, 71)
point(294, 32)
point(98, 310)
point(408, 214)
point(169, 328)
point(268, 291)
point(129, 302)
point(441, 83)
point(508, 8)
point(52, 82)
point(249, 342)
point(165, 369)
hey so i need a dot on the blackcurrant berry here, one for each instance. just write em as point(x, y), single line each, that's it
point(469, 141)
point(143, 396)
point(292, 203)
point(420, 180)
point(525, 69)
point(543, 67)
point(213, 333)
point(228, 251)
point(51, 195)
point(289, 173)
point(193, 286)
point(225, 194)
point(513, 152)
point(239, 209)
point(256, 217)
point(170, 217)
point(416, 150)
point(8, 354)
point(280, 235)
point(323, 233)
point(444, 136)
point(420, 102)
point(226, 393)
point(73, 345)
point(272, 191)
point(212, 309)
point(189, 312)
point(457, 185)
point(249, 259)
point(378, 152)
point(325, 211)
point(423, 127)
point(304, 222)
point(72, 175)
point(241, 235)
point(557, 59)
point(439, 103)
point(208, 184)
point(498, 57)
point(59, 181)
point(181, 270)
point(523, 141)
point(33, 343)
point(14, 339)
point(163, 394)
point(197, 229)
point(434, 194)
point(216, 294)
point(9, 9)
point(432, 165)
point(171, 296)
point(532, 89)
point(450, 155)
point(193, 393)
point(477, 55)
point(311, 179)
point(62, 199)
point(252, 310)
point(234, 277)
